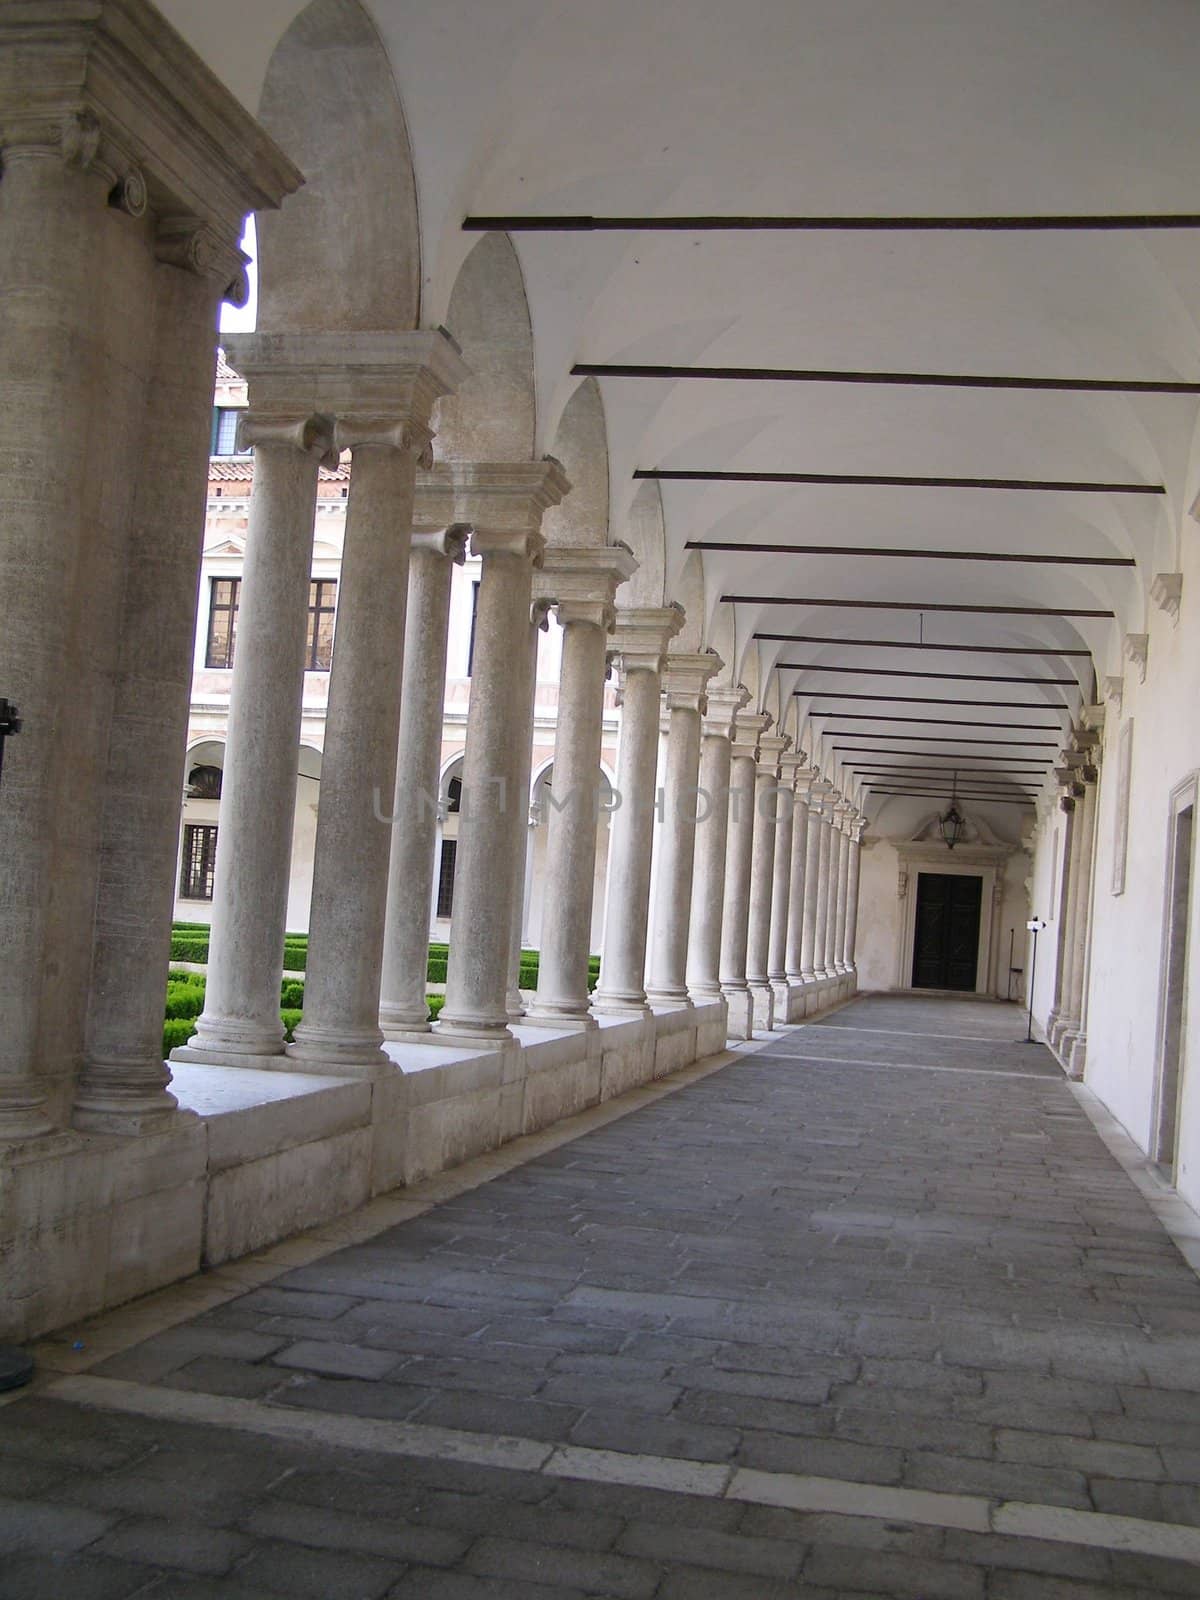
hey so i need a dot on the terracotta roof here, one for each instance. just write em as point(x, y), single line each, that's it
point(240, 469)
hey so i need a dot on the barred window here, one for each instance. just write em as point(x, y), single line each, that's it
point(224, 599)
point(322, 603)
point(199, 859)
point(445, 894)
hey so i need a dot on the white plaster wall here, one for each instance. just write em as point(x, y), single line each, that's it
point(879, 919)
point(1127, 954)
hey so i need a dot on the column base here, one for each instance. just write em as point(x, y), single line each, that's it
point(552, 1019)
point(230, 1042)
point(740, 1024)
point(762, 1004)
point(667, 999)
point(337, 1056)
point(127, 1098)
point(464, 1034)
point(1077, 1063)
point(401, 1022)
point(620, 1003)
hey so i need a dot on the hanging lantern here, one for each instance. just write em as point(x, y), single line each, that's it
point(952, 822)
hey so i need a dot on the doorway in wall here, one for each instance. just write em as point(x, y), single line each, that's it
point(1173, 1028)
point(946, 941)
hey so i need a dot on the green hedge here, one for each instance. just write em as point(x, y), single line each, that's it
point(177, 1031)
point(436, 1002)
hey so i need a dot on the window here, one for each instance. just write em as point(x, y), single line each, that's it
point(224, 596)
point(322, 602)
point(204, 783)
point(454, 796)
point(224, 431)
point(471, 636)
point(199, 859)
point(445, 894)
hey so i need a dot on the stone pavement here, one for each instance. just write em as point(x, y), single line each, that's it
point(870, 1311)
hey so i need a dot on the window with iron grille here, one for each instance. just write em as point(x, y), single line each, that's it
point(224, 598)
point(199, 859)
point(445, 894)
point(322, 603)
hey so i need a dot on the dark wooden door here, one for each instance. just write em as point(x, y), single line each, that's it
point(946, 946)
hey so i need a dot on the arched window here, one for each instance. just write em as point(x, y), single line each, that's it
point(204, 783)
point(454, 796)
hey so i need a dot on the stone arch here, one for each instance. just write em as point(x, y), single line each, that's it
point(344, 253)
point(581, 445)
point(492, 417)
point(646, 537)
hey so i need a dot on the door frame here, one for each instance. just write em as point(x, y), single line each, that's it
point(1171, 1031)
point(927, 869)
point(967, 861)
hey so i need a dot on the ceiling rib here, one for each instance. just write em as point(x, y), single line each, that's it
point(907, 672)
point(924, 700)
point(1053, 222)
point(888, 481)
point(920, 644)
point(944, 794)
point(948, 755)
point(938, 722)
point(936, 380)
point(913, 605)
point(924, 738)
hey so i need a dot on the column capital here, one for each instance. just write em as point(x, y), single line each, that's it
point(749, 728)
point(112, 88)
point(770, 751)
point(503, 502)
point(641, 635)
point(724, 705)
point(685, 677)
point(450, 542)
point(582, 581)
point(380, 386)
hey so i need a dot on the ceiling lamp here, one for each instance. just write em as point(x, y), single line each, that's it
point(952, 822)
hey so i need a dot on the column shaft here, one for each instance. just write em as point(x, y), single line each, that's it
point(762, 872)
point(781, 888)
point(843, 890)
point(403, 1005)
point(241, 1021)
point(1077, 949)
point(835, 836)
point(794, 959)
point(486, 876)
point(852, 901)
point(667, 979)
point(627, 892)
point(123, 1086)
point(358, 768)
point(708, 884)
point(562, 991)
point(525, 683)
point(821, 932)
point(812, 879)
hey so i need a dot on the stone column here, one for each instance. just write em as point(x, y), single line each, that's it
point(852, 895)
point(835, 838)
point(842, 839)
point(794, 958)
point(639, 643)
point(123, 1085)
point(1072, 805)
point(240, 1024)
point(525, 682)
point(825, 840)
point(505, 504)
point(812, 879)
point(582, 584)
point(781, 888)
point(735, 916)
point(685, 678)
point(712, 837)
point(390, 388)
point(762, 877)
point(403, 1006)
point(126, 172)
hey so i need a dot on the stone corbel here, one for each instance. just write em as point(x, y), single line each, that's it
point(1166, 591)
point(771, 749)
point(450, 542)
point(1136, 647)
point(749, 728)
point(724, 705)
point(1114, 692)
point(573, 576)
point(685, 679)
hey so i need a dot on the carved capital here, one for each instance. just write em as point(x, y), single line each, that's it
point(312, 435)
point(585, 613)
point(194, 246)
point(1137, 647)
point(1166, 591)
point(770, 751)
point(724, 704)
point(384, 433)
point(641, 635)
point(685, 679)
point(585, 575)
point(449, 543)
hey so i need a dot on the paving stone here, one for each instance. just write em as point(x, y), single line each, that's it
point(821, 1458)
point(354, 1397)
point(609, 1575)
point(295, 1303)
point(675, 1546)
point(1092, 1456)
point(392, 1538)
point(546, 1522)
point(585, 1390)
point(882, 1572)
point(80, 1577)
point(28, 1525)
point(160, 1542)
point(696, 1583)
point(423, 1584)
point(484, 1413)
point(637, 1432)
point(296, 1570)
point(339, 1360)
point(218, 1375)
point(148, 1362)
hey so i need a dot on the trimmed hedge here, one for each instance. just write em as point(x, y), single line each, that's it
point(177, 1031)
point(436, 1002)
